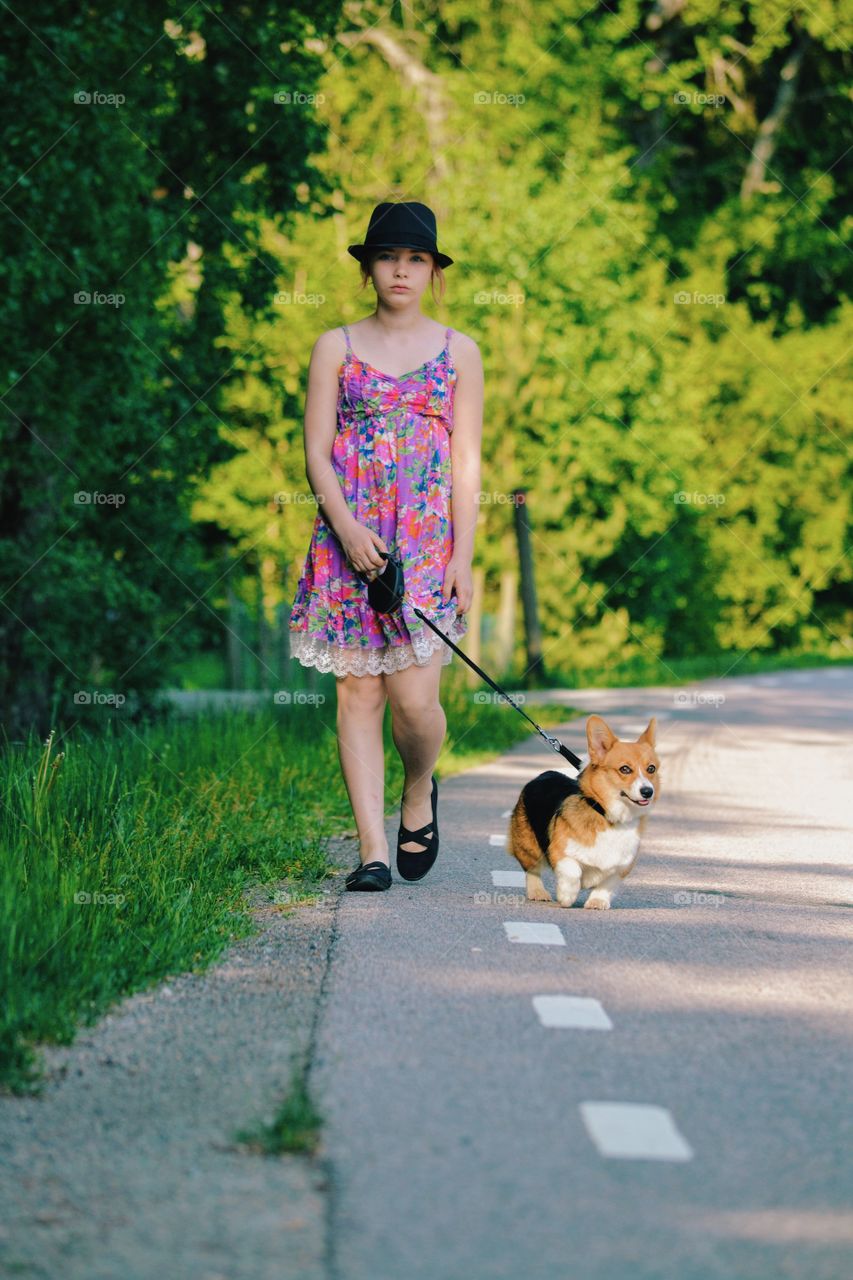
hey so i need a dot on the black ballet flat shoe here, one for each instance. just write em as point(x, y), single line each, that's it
point(413, 864)
point(370, 875)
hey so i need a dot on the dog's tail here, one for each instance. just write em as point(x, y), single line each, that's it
point(522, 842)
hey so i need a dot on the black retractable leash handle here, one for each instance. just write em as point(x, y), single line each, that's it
point(385, 594)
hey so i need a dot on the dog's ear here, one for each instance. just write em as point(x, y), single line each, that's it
point(648, 734)
point(600, 738)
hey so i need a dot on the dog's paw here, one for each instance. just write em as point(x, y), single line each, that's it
point(539, 894)
point(597, 904)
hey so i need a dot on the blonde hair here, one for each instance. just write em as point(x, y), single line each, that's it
point(435, 275)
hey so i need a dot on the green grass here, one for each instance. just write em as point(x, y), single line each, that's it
point(128, 855)
point(208, 670)
point(643, 671)
point(295, 1127)
point(202, 671)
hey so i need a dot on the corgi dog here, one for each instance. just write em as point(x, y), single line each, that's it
point(588, 828)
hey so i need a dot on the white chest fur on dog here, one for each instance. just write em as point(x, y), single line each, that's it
point(614, 851)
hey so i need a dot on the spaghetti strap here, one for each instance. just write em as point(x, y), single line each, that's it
point(447, 340)
point(346, 335)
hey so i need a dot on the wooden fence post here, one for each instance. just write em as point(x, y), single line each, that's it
point(233, 632)
point(264, 655)
point(283, 636)
point(533, 634)
point(505, 628)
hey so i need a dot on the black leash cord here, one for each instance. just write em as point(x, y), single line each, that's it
point(555, 743)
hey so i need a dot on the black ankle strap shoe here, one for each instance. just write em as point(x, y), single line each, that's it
point(370, 875)
point(413, 864)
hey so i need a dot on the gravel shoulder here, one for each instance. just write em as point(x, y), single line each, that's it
point(126, 1164)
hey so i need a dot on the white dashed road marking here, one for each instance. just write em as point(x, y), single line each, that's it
point(508, 879)
point(634, 1131)
point(571, 1011)
point(528, 931)
point(499, 839)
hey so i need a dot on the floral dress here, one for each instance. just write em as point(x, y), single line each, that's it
point(392, 456)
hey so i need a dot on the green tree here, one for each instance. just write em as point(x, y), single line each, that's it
point(648, 209)
point(138, 159)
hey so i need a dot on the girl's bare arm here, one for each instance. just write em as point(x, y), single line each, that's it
point(465, 445)
point(321, 425)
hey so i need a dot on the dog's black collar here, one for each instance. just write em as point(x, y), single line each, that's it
point(595, 805)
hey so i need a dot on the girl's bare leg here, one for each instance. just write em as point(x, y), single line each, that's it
point(418, 726)
point(361, 708)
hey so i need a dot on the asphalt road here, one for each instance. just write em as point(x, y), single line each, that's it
point(466, 1137)
point(687, 1118)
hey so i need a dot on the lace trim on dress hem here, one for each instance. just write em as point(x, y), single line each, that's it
point(312, 651)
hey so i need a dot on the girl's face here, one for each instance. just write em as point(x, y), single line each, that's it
point(401, 274)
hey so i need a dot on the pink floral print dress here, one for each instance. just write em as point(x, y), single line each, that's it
point(392, 456)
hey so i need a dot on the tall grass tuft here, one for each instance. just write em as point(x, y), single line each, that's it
point(126, 857)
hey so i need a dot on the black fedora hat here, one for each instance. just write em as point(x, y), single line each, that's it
point(405, 225)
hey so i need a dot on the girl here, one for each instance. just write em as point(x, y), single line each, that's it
point(388, 425)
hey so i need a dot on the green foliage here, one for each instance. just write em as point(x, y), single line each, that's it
point(150, 206)
point(649, 212)
point(664, 350)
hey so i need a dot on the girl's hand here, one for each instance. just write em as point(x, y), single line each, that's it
point(458, 574)
point(359, 544)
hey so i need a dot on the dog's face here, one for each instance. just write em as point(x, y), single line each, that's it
point(626, 773)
